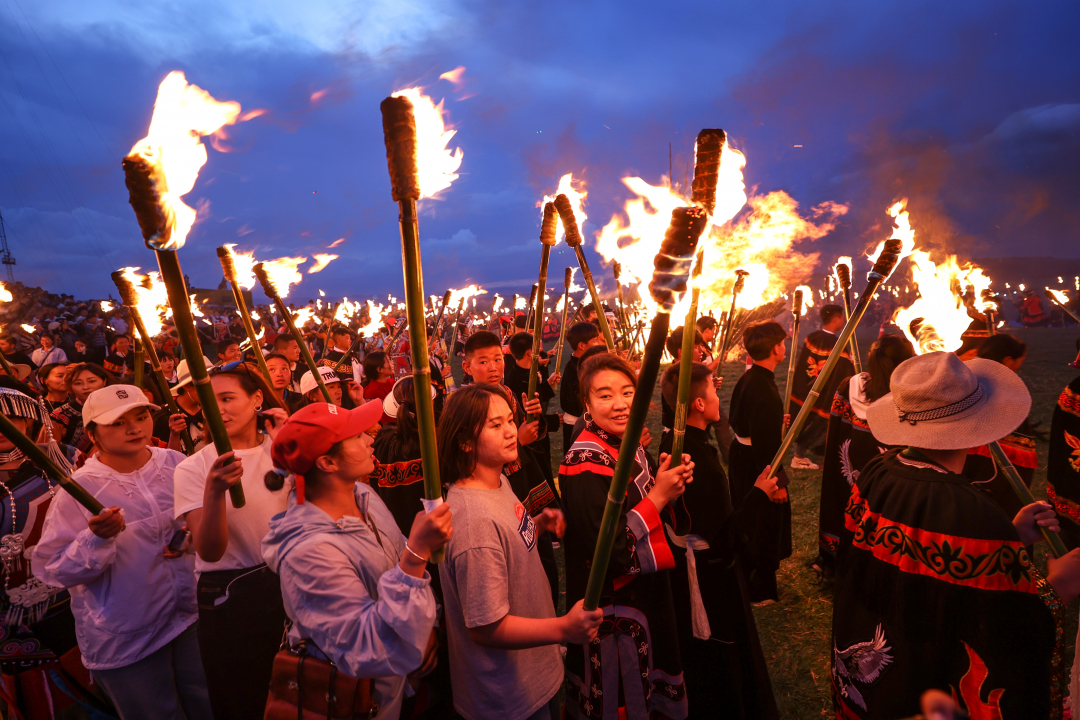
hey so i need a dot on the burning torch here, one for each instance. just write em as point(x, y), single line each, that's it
point(567, 279)
point(573, 239)
point(228, 266)
point(1060, 299)
point(883, 267)
point(843, 276)
point(740, 281)
point(272, 293)
point(796, 311)
point(129, 297)
point(547, 241)
point(399, 131)
point(671, 270)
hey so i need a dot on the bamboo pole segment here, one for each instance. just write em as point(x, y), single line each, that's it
point(1061, 305)
point(796, 311)
point(228, 266)
point(140, 360)
point(670, 273)
point(567, 279)
point(155, 224)
point(573, 239)
point(884, 266)
point(529, 317)
point(45, 463)
point(740, 281)
point(624, 319)
point(7, 367)
point(272, 293)
point(843, 275)
point(399, 131)
point(454, 332)
point(547, 241)
point(129, 298)
point(1023, 493)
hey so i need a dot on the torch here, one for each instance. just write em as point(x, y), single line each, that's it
point(41, 459)
point(272, 293)
point(228, 266)
point(740, 281)
point(142, 179)
point(140, 360)
point(1023, 493)
point(129, 297)
point(883, 267)
point(454, 332)
point(437, 333)
point(547, 241)
point(1053, 295)
point(670, 273)
point(573, 239)
point(843, 275)
point(707, 151)
point(399, 131)
point(624, 320)
point(796, 311)
point(990, 298)
point(562, 325)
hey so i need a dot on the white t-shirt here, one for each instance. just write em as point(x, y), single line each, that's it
point(249, 524)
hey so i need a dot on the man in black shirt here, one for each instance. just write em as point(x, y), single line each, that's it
point(516, 377)
point(580, 337)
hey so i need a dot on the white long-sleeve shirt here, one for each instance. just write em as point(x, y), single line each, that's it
point(127, 598)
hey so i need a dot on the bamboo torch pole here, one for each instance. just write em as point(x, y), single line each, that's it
point(399, 131)
point(1023, 493)
point(670, 273)
point(454, 332)
point(529, 315)
point(567, 279)
point(228, 266)
point(843, 276)
point(140, 358)
point(624, 321)
point(573, 239)
point(884, 266)
point(129, 297)
point(796, 311)
point(157, 230)
point(272, 293)
point(1053, 299)
point(45, 463)
point(740, 281)
point(547, 241)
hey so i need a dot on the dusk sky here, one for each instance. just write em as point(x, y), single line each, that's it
point(970, 109)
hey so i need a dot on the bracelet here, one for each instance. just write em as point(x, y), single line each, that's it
point(413, 553)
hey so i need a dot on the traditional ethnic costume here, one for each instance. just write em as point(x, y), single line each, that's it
point(69, 417)
point(984, 474)
point(757, 420)
point(815, 351)
point(1063, 469)
point(634, 660)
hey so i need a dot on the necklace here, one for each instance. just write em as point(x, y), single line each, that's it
point(30, 600)
point(15, 454)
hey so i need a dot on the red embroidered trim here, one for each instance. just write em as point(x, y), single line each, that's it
point(1020, 450)
point(398, 474)
point(583, 467)
point(1063, 506)
point(1069, 401)
point(657, 540)
point(539, 498)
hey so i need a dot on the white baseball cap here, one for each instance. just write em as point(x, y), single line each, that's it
point(392, 402)
point(183, 374)
point(105, 406)
point(307, 382)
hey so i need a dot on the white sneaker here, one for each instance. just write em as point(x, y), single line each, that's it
point(798, 463)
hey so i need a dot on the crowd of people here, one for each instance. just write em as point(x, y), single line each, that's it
point(336, 589)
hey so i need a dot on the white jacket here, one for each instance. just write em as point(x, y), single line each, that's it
point(127, 598)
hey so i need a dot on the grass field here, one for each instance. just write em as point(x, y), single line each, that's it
point(795, 632)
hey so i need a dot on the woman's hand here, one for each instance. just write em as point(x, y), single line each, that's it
point(108, 523)
point(670, 482)
point(226, 471)
point(177, 423)
point(275, 418)
point(430, 531)
point(1032, 517)
point(551, 520)
point(768, 484)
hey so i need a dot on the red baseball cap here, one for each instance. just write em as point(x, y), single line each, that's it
point(310, 432)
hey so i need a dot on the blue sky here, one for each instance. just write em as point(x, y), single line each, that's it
point(971, 109)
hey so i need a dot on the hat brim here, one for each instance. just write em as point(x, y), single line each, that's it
point(108, 418)
point(390, 404)
point(21, 371)
point(361, 420)
point(1005, 404)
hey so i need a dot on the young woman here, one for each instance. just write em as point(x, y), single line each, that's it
point(351, 581)
point(53, 378)
point(48, 353)
point(503, 633)
point(240, 610)
point(281, 375)
point(134, 603)
point(635, 667)
point(81, 381)
point(378, 379)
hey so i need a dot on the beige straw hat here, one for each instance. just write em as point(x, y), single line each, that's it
point(939, 402)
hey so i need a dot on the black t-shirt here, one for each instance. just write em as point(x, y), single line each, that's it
point(161, 424)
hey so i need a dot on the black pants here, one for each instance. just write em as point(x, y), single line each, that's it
point(238, 638)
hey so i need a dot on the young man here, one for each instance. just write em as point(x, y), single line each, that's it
point(228, 350)
point(580, 337)
point(517, 379)
point(814, 352)
point(167, 428)
point(341, 338)
point(757, 421)
point(286, 346)
point(723, 663)
point(934, 587)
point(309, 388)
point(13, 354)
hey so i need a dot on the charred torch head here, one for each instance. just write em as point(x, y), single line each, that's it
point(843, 276)
point(264, 280)
point(616, 270)
point(796, 306)
point(710, 143)
point(890, 255)
point(569, 221)
point(227, 264)
point(143, 181)
point(127, 289)
point(547, 227)
point(671, 266)
point(740, 281)
point(568, 278)
point(446, 297)
point(399, 132)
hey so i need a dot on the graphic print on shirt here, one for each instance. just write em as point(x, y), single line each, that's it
point(526, 526)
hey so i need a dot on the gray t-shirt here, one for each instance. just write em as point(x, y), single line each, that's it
point(492, 570)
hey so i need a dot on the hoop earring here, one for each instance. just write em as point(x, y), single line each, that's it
point(258, 408)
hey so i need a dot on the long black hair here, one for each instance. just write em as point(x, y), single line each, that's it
point(886, 353)
point(400, 440)
point(372, 363)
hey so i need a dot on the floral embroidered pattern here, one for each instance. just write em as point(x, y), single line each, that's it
point(1069, 401)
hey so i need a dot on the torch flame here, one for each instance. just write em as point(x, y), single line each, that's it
point(152, 298)
point(1058, 296)
point(106, 306)
point(245, 267)
point(807, 298)
point(375, 317)
point(283, 273)
point(456, 296)
point(577, 202)
point(902, 232)
point(5, 294)
point(182, 114)
point(321, 261)
point(436, 165)
point(29, 328)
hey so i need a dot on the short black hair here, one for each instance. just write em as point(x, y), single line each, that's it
point(706, 322)
point(700, 379)
point(828, 313)
point(1002, 345)
point(282, 340)
point(481, 340)
point(342, 330)
point(225, 344)
point(520, 320)
point(674, 341)
point(520, 344)
point(590, 353)
point(581, 332)
point(761, 337)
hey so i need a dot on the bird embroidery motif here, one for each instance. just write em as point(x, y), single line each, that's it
point(1074, 443)
point(862, 662)
point(850, 473)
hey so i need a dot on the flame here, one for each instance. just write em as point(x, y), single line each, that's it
point(321, 261)
point(842, 260)
point(106, 306)
point(245, 264)
point(151, 298)
point(302, 316)
point(807, 298)
point(5, 294)
point(436, 165)
point(375, 317)
point(497, 305)
point(283, 273)
point(182, 114)
point(902, 232)
point(471, 291)
point(577, 202)
point(1021, 286)
point(28, 328)
point(453, 76)
point(1058, 296)
point(939, 313)
point(321, 293)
